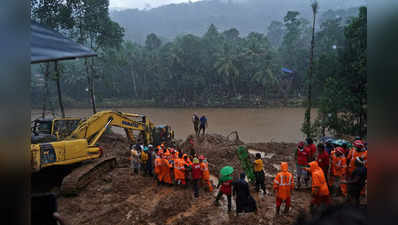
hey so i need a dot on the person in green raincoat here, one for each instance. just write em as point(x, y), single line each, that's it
point(225, 182)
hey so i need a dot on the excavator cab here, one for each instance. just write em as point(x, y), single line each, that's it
point(162, 134)
point(47, 130)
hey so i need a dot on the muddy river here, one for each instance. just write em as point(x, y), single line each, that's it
point(253, 125)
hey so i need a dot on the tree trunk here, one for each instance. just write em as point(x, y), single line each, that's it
point(308, 111)
point(45, 96)
point(90, 81)
point(57, 75)
point(133, 78)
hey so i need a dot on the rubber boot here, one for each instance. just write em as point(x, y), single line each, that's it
point(286, 211)
point(277, 211)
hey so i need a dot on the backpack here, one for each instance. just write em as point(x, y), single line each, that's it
point(144, 156)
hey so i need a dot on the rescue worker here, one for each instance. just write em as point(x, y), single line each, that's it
point(259, 173)
point(301, 157)
point(158, 168)
point(312, 149)
point(134, 161)
point(320, 191)
point(144, 158)
point(149, 161)
point(345, 148)
point(356, 182)
point(226, 189)
point(179, 170)
point(339, 170)
point(203, 124)
point(323, 159)
point(357, 151)
point(329, 147)
point(204, 166)
point(244, 201)
point(188, 167)
point(283, 187)
point(165, 169)
point(196, 176)
point(195, 121)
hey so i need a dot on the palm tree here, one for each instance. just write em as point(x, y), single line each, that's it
point(225, 66)
point(314, 6)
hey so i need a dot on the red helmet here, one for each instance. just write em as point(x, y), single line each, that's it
point(358, 144)
point(301, 144)
point(201, 157)
point(340, 150)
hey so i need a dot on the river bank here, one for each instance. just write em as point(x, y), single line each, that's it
point(252, 124)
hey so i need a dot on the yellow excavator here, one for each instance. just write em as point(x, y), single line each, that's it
point(81, 147)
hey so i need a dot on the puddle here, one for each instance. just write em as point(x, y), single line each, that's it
point(263, 154)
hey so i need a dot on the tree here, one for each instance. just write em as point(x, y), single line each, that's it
point(152, 42)
point(275, 33)
point(57, 15)
point(344, 99)
point(95, 29)
point(307, 118)
point(231, 34)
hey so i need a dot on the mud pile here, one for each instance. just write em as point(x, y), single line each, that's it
point(121, 198)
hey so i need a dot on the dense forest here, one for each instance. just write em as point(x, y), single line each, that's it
point(220, 68)
point(246, 16)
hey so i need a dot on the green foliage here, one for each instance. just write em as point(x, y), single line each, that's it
point(225, 68)
point(343, 103)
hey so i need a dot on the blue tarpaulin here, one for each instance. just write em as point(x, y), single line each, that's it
point(286, 70)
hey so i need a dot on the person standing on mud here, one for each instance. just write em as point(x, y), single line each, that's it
point(323, 159)
point(320, 191)
point(356, 182)
point(244, 201)
point(259, 173)
point(283, 187)
point(203, 124)
point(134, 161)
point(311, 146)
point(226, 189)
point(196, 176)
point(301, 157)
point(195, 121)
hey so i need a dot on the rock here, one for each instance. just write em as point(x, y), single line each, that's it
point(107, 188)
point(108, 179)
point(107, 198)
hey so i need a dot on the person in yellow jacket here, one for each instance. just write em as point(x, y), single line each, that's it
point(283, 187)
point(204, 167)
point(259, 173)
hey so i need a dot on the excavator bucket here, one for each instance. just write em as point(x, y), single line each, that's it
point(245, 163)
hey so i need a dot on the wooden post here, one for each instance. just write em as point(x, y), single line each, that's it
point(57, 75)
point(45, 95)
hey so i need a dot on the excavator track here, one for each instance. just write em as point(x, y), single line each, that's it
point(80, 177)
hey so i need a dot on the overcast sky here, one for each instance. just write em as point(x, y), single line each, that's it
point(142, 3)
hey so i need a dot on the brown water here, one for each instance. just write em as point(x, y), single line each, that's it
point(253, 125)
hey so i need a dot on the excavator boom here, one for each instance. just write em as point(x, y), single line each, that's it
point(81, 147)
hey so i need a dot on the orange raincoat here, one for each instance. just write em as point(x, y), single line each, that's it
point(204, 166)
point(165, 171)
point(179, 170)
point(158, 165)
point(339, 170)
point(284, 182)
point(319, 185)
point(352, 155)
